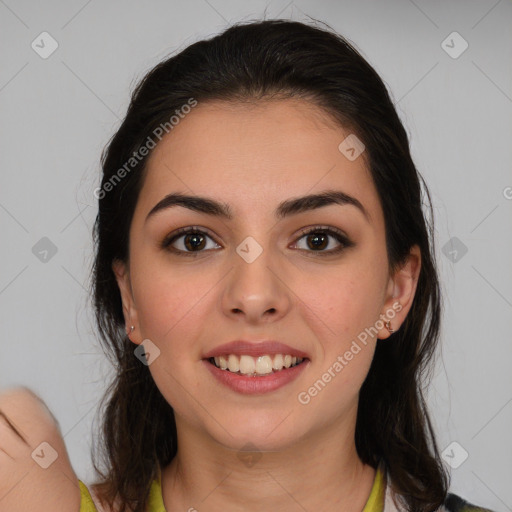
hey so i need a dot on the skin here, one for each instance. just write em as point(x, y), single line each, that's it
point(252, 157)
point(33, 476)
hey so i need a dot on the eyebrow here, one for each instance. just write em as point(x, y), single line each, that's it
point(285, 209)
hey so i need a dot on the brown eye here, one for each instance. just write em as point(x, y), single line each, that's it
point(187, 241)
point(318, 239)
point(194, 241)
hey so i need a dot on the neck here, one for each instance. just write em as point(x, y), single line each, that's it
point(322, 472)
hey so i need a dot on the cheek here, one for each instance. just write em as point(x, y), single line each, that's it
point(340, 311)
point(340, 305)
point(172, 303)
point(172, 309)
point(167, 300)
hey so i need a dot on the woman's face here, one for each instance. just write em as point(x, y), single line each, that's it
point(255, 276)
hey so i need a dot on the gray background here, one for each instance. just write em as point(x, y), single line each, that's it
point(58, 113)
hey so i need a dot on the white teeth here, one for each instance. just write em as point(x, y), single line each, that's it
point(278, 362)
point(233, 363)
point(262, 365)
point(247, 365)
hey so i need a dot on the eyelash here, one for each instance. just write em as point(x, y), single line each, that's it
point(338, 235)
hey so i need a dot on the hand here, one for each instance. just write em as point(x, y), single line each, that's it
point(29, 477)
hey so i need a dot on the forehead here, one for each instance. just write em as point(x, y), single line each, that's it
point(255, 155)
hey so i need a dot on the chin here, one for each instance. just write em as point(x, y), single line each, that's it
point(259, 436)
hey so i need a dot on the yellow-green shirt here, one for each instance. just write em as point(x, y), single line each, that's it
point(375, 501)
point(156, 503)
point(379, 500)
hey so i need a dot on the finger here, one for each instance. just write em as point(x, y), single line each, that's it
point(28, 414)
point(12, 442)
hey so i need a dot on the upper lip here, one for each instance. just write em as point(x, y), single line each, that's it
point(255, 349)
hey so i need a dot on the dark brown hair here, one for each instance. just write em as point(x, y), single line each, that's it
point(250, 62)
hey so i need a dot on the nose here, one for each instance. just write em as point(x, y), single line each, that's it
point(256, 291)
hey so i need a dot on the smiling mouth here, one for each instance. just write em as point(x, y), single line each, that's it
point(256, 366)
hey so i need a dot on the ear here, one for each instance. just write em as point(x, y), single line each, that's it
point(401, 291)
point(122, 274)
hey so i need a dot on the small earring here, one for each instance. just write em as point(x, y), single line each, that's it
point(128, 332)
point(388, 327)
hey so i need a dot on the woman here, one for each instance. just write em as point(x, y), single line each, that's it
point(261, 238)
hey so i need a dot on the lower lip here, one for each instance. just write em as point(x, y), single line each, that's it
point(256, 385)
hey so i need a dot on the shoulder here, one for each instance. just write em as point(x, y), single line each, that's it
point(454, 503)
